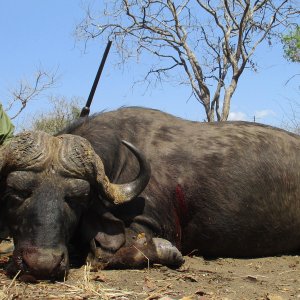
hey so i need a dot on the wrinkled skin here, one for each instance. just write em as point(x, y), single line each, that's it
point(48, 183)
point(223, 189)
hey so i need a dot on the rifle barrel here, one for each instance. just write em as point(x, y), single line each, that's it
point(85, 110)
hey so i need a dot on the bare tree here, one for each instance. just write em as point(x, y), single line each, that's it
point(27, 91)
point(206, 44)
point(291, 120)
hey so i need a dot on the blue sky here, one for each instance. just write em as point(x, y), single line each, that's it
point(35, 33)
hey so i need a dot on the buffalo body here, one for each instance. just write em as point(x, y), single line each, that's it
point(222, 189)
point(216, 189)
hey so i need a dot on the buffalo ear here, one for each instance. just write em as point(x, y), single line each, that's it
point(111, 233)
point(103, 227)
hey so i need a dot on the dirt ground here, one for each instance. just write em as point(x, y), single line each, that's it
point(271, 278)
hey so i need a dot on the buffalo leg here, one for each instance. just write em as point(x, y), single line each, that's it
point(141, 254)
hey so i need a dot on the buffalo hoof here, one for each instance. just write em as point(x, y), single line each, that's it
point(167, 253)
point(142, 253)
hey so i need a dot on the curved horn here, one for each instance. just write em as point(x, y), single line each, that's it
point(120, 193)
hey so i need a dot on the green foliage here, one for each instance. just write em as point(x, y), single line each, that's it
point(291, 45)
point(63, 112)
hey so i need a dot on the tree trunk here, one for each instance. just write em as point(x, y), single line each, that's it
point(227, 99)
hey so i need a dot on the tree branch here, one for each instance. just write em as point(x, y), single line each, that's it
point(26, 91)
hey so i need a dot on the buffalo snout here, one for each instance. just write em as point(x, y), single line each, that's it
point(40, 263)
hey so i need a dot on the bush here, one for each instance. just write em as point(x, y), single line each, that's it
point(61, 115)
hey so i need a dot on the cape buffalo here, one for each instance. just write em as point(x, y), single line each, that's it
point(215, 189)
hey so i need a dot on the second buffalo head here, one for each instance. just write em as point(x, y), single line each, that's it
point(47, 185)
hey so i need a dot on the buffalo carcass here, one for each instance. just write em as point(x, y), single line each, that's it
point(216, 189)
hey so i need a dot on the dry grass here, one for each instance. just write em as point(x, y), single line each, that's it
point(81, 284)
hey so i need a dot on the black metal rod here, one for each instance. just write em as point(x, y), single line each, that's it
point(86, 110)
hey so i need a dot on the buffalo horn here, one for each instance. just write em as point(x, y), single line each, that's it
point(120, 193)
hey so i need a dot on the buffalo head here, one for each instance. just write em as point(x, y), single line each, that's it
point(48, 184)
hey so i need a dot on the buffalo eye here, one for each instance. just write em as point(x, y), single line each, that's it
point(20, 184)
point(77, 192)
point(21, 195)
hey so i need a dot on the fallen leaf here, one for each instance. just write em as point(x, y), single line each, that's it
point(202, 293)
point(189, 278)
point(100, 278)
point(149, 285)
point(252, 278)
